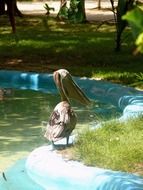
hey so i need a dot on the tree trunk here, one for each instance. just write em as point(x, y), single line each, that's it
point(2, 7)
point(11, 11)
point(99, 4)
point(122, 8)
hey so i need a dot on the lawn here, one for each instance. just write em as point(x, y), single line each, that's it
point(42, 45)
point(117, 145)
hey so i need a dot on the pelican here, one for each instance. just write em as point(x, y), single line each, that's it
point(63, 119)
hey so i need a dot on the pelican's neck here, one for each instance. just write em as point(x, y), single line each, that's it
point(63, 95)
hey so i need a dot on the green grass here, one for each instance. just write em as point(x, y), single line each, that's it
point(116, 146)
point(42, 45)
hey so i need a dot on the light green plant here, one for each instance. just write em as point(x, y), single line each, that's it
point(140, 76)
point(139, 42)
point(135, 20)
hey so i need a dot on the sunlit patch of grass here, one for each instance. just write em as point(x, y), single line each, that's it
point(117, 145)
point(116, 76)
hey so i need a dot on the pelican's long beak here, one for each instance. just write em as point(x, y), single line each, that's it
point(64, 80)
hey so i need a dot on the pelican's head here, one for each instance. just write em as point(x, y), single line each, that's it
point(68, 88)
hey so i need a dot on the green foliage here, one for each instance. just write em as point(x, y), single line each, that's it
point(135, 19)
point(140, 76)
point(75, 13)
point(48, 9)
point(122, 8)
point(116, 145)
point(63, 13)
point(139, 42)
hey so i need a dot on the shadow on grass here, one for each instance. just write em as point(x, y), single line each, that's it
point(43, 44)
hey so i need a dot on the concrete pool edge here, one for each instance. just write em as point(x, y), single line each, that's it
point(58, 173)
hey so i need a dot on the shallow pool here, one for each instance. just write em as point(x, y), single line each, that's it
point(21, 116)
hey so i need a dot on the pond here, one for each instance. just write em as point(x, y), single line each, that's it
point(21, 116)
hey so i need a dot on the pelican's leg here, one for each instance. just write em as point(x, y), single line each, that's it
point(67, 140)
point(53, 145)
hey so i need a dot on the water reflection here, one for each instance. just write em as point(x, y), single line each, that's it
point(5, 93)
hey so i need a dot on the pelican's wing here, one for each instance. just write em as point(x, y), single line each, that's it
point(56, 126)
point(62, 122)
